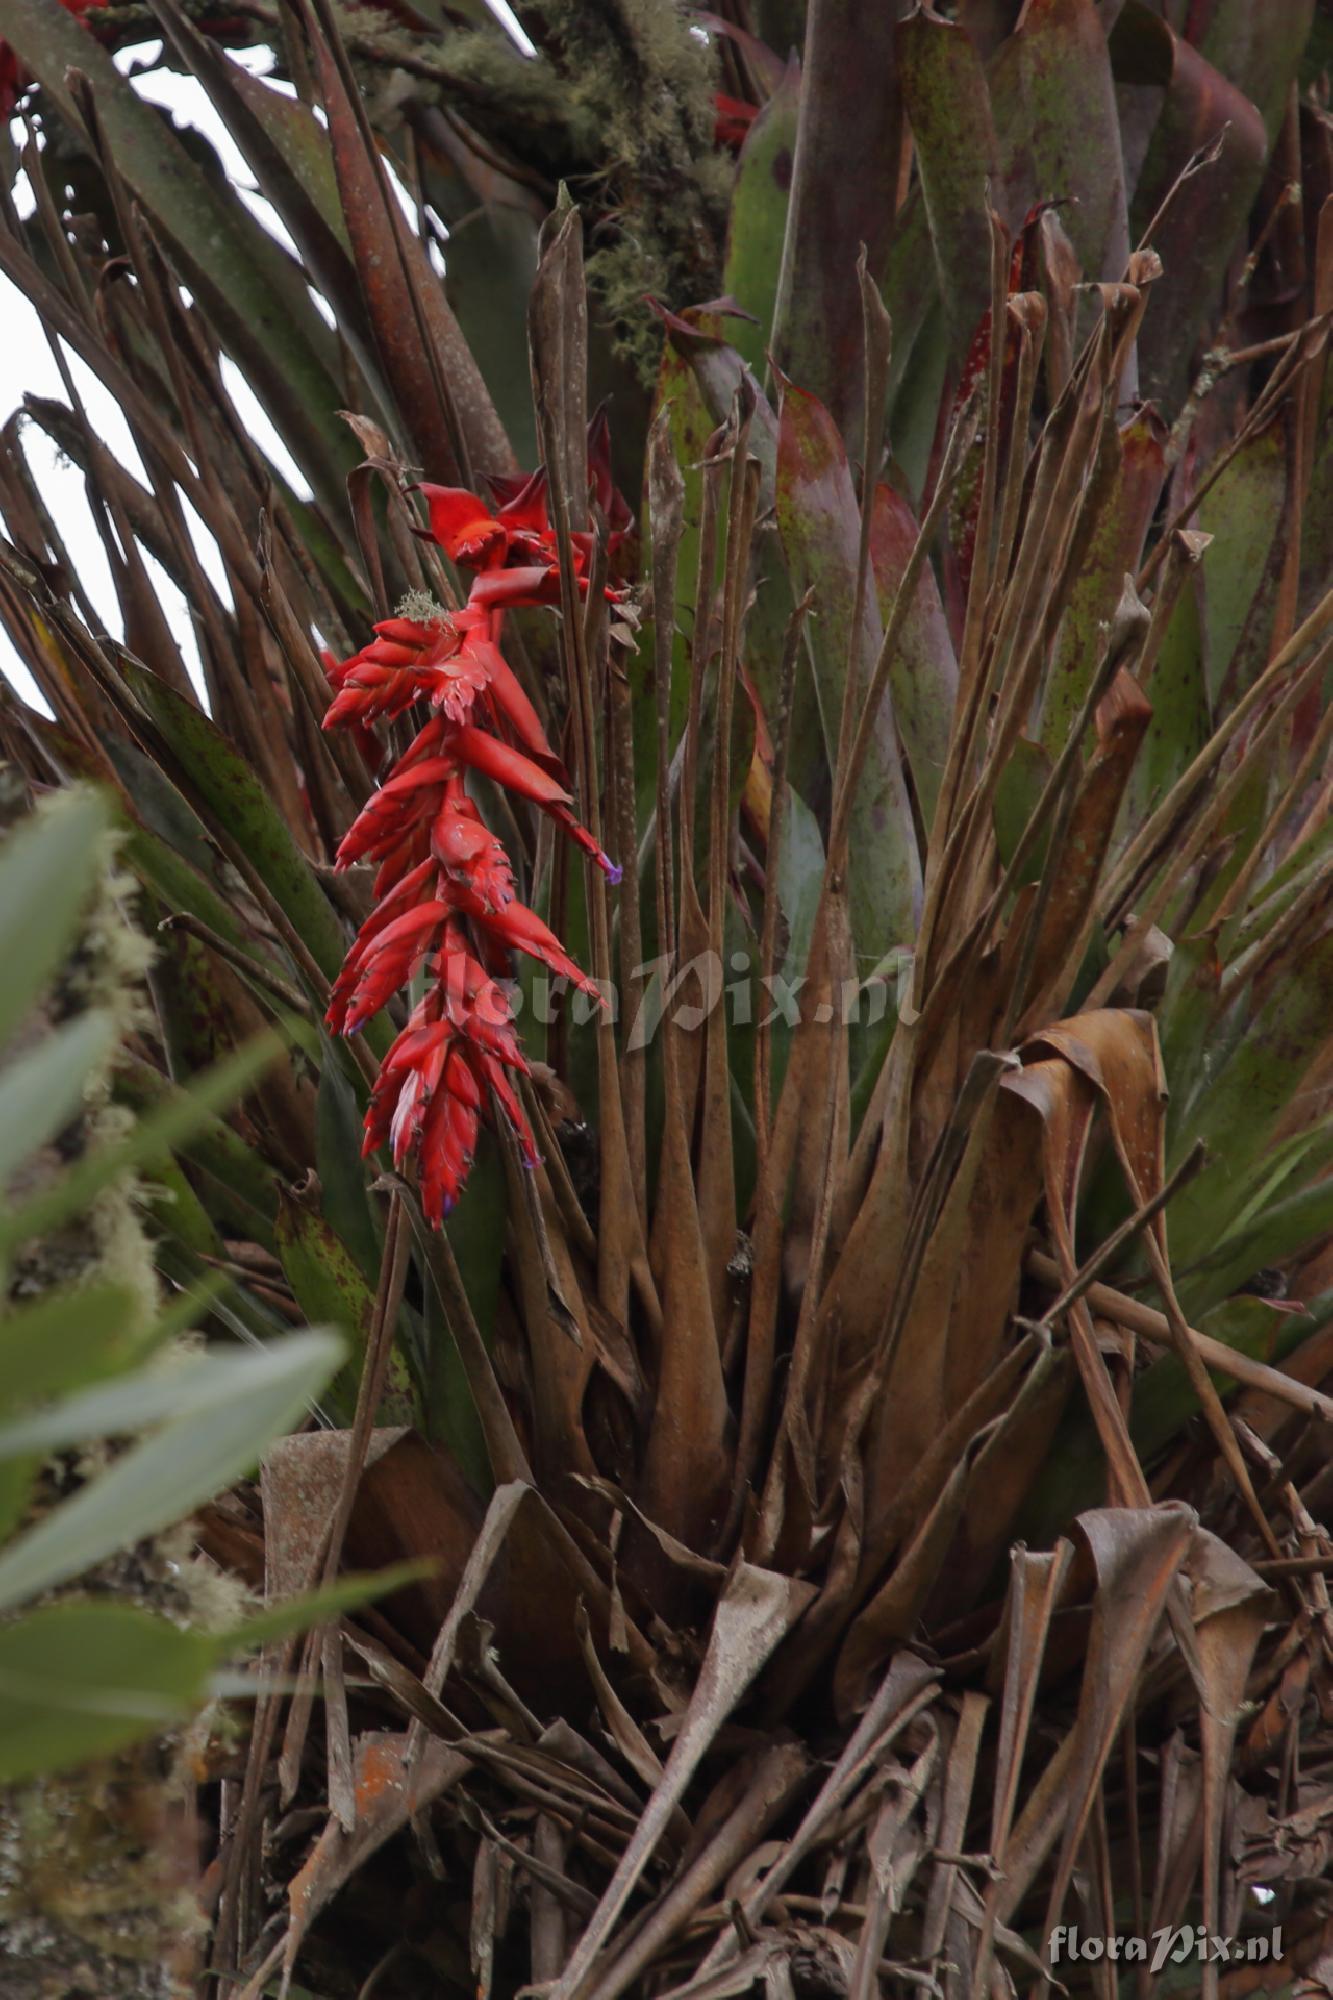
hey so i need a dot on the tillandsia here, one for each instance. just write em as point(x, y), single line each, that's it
point(445, 901)
point(870, 1477)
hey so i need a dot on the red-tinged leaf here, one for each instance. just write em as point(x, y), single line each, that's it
point(844, 193)
point(1058, 132)
point(442, 400)
point(253, 294)
point(1131, 474)
point(944, 89)
point(1197, 236)
point(923, 680)
point(1258, 52)
point(819, 522)
point(287, 150)
point(721, 373)
point(1074, 865)
point(757, 221)
point(1237, 579)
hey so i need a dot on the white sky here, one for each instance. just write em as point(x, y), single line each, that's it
point(30, 368)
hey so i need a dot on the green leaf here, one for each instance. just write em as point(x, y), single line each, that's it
point(79, 1681)
point(344, 1199)
point(159, 1481)
point(1180, 724)
point(47, 867)
point(1164, 1399)
point(819, 522)
point(1198, 235)
point(911, 299)
point(235, 800)
point(1277, 1233)
point(159, 1133)
point(170, 1388)
point(1057, 130)
point(16, 1477)
point(65, 1340)
point(491, 266)
point(1238, 577)
point(1249, 1093)
point(757, 223)
point(452, 1412)
point(330, 1289)
point(43, 1086)
point(1129, 473)
point(923, 680)
point(944, 89)
point(1021, 783)
point(844, 192)
point(317, 1607)
point(287, 150)
point(239, 1187)
point(1261, 50)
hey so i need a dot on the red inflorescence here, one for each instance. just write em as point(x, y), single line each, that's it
point(444, 888)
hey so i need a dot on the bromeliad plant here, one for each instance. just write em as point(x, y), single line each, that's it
point(866, 1401)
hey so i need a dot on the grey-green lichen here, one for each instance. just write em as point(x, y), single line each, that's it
point(619, 105)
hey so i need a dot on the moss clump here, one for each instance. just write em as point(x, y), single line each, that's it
point(618, 104)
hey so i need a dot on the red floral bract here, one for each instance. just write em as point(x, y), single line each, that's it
point(445, 900)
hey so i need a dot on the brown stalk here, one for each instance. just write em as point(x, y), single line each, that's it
point(1186, 553)
point(877, 340)
point(1303, 352)
point(1155, 1327)
point(768, 931)
point(683, 1462)
point(848, 776)
point(795, 1436)
point(370, 1390)
point(781, 1769)
point(345, 104)
point(1148, 843)
point(264, 976)
point(1316, 893)
point(714, 1169)
point(1207, 821)
point(979, 584)
point(622, 1258)
point(1313, 759)
point(621, 814)
point(1072, 508)
point(176, 346)
point(1022, 1008)
point(1132, 1226)
point(666, 499)
point(1029, 313)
